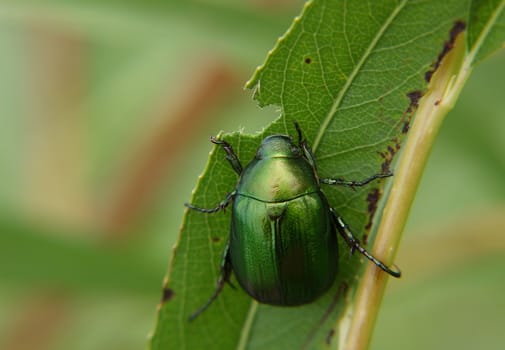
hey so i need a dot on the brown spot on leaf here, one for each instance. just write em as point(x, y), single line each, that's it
point(414, 97)
point(330, 335)
point(216, 239)
point(308, 60)
point(406, 126)
point(167, 295)
point(457, 28)
point(372, 199)
point(389, 154)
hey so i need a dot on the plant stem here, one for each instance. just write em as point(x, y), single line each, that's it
point(443, 90)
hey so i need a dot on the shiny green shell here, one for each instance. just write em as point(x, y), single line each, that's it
point(283, 244)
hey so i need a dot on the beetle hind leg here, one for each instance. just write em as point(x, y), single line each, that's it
point(224, 277)
point(353, 242)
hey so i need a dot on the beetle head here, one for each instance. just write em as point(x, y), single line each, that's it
point(278, 146)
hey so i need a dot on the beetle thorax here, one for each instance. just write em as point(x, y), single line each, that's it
point(278, 173)
point(277, 146)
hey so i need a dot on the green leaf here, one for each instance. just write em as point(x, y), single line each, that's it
point(486, 27)
point(351, 73)
point(446, 80)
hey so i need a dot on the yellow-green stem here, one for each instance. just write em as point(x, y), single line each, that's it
point(442, 93)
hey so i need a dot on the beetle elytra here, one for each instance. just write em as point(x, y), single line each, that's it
point(282, 245)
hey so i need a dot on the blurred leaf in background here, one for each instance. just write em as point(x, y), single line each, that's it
point(106, 109)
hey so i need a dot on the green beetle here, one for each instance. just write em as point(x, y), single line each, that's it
point(283, 244)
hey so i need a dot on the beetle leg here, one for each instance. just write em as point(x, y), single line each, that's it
point(302, 143)
point(299, 131)
point(353, 242)
point(221, 206)
point(224, 277)
point(353, 184)
point(231, 157)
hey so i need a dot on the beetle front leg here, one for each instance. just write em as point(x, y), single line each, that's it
point(302, 143)
point(224, 277)
point(230, 154)
point(352, 184)
point(221, 206)
point(353, 242)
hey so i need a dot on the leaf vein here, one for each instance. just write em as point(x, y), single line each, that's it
point(345, 88)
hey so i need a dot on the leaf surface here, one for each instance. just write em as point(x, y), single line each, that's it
point(351, 73)
point(486, 27)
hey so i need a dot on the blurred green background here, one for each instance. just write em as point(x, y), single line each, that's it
point(106, 111)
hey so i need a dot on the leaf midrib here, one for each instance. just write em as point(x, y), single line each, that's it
point(336, 104)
